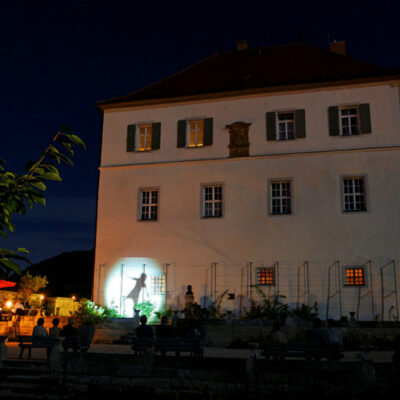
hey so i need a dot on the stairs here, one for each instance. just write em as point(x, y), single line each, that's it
point(23, 379)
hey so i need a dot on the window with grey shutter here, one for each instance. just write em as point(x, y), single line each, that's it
point(155, 135)
point(208, 131)
point(365, 118)
point(130, 138)
point(300, 123)
point(333, 113)
point(181, 133)
point(271, 125)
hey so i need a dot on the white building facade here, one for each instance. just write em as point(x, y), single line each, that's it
point(288, 189)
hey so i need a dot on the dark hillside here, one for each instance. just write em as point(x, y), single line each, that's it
point(68, 273)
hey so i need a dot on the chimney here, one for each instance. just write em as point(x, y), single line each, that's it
point(338, 47)
point(241, 45)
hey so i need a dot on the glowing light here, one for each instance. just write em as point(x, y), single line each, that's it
point(41, 297)
point(8, 304)
point(131, 281)
point(73, 298)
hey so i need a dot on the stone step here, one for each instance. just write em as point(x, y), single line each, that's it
point(10, 394)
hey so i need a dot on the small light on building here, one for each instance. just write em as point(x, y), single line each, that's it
point(73, 298)
point(41, 297)
point(8, 304)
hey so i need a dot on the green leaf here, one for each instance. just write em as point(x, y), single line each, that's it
point(51, 176)
point(5, 262)
point(23, 250)
point(39, 185)
point(77, 140)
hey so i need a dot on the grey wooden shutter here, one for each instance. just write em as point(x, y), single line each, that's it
point(208, 132)
point(182, 133)
point(155, 135)
point(130, 138)
point(271, 125)
point(365, 118)
point(300, 123)
point(333, 113)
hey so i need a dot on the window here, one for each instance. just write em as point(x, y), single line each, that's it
point(196, 132)
point(148, 204)
point(286, 125)
point(212, 201)
point(354, 194)
point(349, 120)
point(143, 137)
point(355, 276)
point(280, 197)
point(265, 276)
point(158, 284)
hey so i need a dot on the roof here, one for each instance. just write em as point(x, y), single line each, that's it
point(266, 67)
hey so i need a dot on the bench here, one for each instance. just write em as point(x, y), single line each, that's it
point(308, 351)
point(71, 342)
point(141, 345)
point(34, 342)
point(178, 345)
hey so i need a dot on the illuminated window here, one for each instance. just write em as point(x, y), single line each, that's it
point(354, 194)
point(144, 137)
point(212, 201)
point(286, 125)
point(265, 276)
point(349, 121)
point(148, 204)
point(355, 276)
point(280, 197)
point(158, 284)
point(195, 131)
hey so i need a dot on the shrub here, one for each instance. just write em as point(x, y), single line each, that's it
point(90, 313)
point(146, 308)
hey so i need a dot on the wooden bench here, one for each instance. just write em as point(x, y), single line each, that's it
point(308, 351)
point(141, 345)
point(71, 342)
point(178, 345)
point(34, 342)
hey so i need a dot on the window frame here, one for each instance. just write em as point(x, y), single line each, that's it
point(138, 135)
point(158, 285)
point(347, 107)
point(271, 198)
point(277, 133)
point(140, 204)
point(268, 270)
point(346, 268)
point(354, 194)
point(188, 133)
point(203, 200)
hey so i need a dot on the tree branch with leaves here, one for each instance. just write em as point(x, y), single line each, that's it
point(20, 192)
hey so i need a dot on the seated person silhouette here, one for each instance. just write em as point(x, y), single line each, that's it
point(143, 330)
point(164, 330)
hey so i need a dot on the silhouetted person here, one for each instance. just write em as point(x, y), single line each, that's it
point(39, 329)
point(144, 331)
point(55, 330)
point(315, 335)
point(276, 335)
point(189, 296)
point(69, 330)
point(333, 334)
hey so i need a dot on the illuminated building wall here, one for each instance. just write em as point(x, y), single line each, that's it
point(181, 244)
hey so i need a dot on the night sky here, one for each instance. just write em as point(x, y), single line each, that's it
point(59, 57)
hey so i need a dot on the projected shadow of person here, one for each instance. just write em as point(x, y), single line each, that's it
point(139, 288)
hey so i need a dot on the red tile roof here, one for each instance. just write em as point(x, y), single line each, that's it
point(266, 67)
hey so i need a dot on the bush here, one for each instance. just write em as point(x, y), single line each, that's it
point(146, 308)
point(90, 313)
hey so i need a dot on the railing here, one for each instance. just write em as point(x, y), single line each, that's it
point(393, 292)
point(338, 292)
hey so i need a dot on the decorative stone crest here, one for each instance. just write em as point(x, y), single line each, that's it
point(239, 139)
